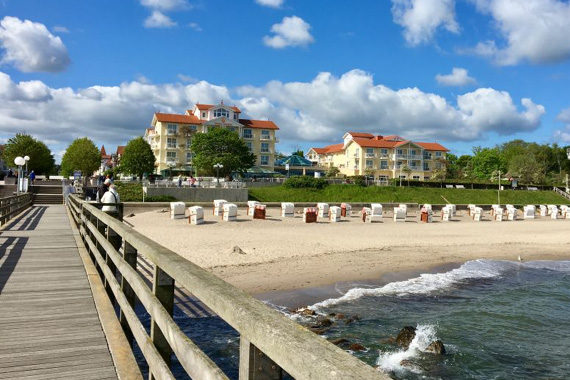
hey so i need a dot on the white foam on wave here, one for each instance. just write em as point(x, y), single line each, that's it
point(392, 361)
point(432, 282)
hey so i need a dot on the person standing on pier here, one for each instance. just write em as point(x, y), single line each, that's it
point(102, 189)
point(111, 197)
point(32, 177)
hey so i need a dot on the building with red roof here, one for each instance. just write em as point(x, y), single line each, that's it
point(383, 157)
point(170, 136)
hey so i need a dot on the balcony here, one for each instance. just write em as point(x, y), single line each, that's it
point(370, 155)
point(247, 137)
point(266, 151)
point(408, 157)
point(171, 133)
point(384, 155)
point(170, 146)
point(277, 139)
point(384, 168)
point(265, 137)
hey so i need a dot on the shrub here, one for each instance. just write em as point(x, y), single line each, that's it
point(305, 182)
point(160, 198)
point(359, 180)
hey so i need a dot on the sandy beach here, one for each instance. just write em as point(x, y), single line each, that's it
point(286, 254)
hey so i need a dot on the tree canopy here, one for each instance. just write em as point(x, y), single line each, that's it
point(221, 146)
point(137, 158)
point(81, 154)
point(41, 158)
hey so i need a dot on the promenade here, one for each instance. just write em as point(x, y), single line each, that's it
point(49, 326)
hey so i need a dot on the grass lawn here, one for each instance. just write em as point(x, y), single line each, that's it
point(353, 193)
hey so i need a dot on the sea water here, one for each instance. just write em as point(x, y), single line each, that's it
point(497, 320)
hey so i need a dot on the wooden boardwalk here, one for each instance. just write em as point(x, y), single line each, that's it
point(49, 327)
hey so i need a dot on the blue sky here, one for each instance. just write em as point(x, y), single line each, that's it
point(459, 72)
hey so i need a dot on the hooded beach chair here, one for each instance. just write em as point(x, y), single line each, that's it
point(323, 210)
point(251, 207)
point(309, 215)
point(528, 211)
point(334, 214)
point(287, 210)
point(219, 206)
point(499, 214)
point(400, 214)
point(543, 210)
point(229, 212)
point(177, 210)
point(477, 214)
point(345, 209)
point(196, 215)
point(446, 213)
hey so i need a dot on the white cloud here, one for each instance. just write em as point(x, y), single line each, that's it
point(564, 134)
point(292, 31)
point(319, 110)
point(30, 47)
point(195, 26)
point(60, 29)
point(532, 30)
point(422, 18)
point(166, 5)
point(458, 77)
point(158, 20)
point(270, 3)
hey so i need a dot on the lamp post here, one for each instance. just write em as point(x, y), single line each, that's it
point(218, 167)
point(26, 158)
point(20, 161)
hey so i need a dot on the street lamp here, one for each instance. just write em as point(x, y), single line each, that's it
point(26, 158)
point(218, 167)
point(20, 161)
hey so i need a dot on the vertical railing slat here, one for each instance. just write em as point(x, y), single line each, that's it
point(163, 289)
point(130, 256)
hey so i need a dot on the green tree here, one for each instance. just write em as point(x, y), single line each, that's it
point(333, 171)
point(299, 153)
point(41, 158)
point(221, 146)
point(408, 171)
point(137, 158)
point(527, 168)
point(485, 161)
point(81, 154)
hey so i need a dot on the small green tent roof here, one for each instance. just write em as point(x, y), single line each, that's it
point(294, 160)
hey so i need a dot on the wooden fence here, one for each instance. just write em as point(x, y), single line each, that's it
point(12, 206)
point(270, 343)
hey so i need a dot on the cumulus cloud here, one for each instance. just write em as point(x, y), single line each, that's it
point(459, 77)
point(531, 30)
point(292, 31)
point(195, 26)
point(316, 111)
point(422, 18)
point(30, 47)
point(166, 5)
point(158, 20)
point(270, 3)
point(564, 134)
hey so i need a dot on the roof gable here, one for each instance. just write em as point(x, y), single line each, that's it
point(206, 107)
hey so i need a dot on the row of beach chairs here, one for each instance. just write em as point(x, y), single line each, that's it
point(228, 212)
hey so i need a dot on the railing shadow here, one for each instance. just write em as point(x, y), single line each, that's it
point(16, 246)
point(32, 218)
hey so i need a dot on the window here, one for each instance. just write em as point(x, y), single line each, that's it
point(384, 151)
point(189, 156)
point(416, 177)
point(426, 178)
point(265, 135)
point(264, 147)
point(264, 160)
point(438, 154)
point(384, 165)
point(370, 151)
point(203, 114)
point(249, 145)
point(369, 164)
point(188, 143)
point(235, 116)
point(170, 143)
point(170, 156)
point(172, 129)
point(426, 166)
point(400, 151)
point(220, 112)
point(413, 152)
point(247, 133)
point(233, 129)
point(402, 177)
point(427, 156)
point(438, 165)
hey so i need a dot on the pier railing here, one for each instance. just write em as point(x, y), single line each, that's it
point(270, 343)
point(562, 192)
point(12, 206)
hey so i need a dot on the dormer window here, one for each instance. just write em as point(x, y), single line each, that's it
point(220, 112)
point(203, 114)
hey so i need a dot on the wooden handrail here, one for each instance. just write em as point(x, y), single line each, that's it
point(561, 192)
point(270, 342)
point(12, 206)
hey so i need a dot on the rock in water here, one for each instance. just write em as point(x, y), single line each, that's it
point(406, 336)
point(340, 341)
point(436, 347)
point(356, 347)
point(236, 249)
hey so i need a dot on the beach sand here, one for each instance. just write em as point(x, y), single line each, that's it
point(287, 254)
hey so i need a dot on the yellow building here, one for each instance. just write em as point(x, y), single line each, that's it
point(170, 136)
point(381, 156)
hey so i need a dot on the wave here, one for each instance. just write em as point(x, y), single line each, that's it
point(433, 282)
point(392, 361)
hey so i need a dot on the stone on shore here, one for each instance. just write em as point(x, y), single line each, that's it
point(405, 337)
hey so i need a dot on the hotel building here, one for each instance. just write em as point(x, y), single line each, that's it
point(384, 156)
point(170, 136)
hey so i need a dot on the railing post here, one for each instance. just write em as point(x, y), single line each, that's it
point(115, 240)
point(255, 365)
point(130, 256)
point(163, 289)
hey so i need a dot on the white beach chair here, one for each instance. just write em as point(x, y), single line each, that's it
point(565, 212)
point(550, 208)
point(427, 206)
point(372, 214)
point(471, 209)
point(477, 214)
point(499, 214)
point(543, 210)
point(323, 210)
point(446, 213)
point(404, 206)
point(229, 211)
point(493, 208)
point(219, 206)
point(251, 207)
point(400, 214)
point(196, 215)
point(528, 212)
point(345, 210)
point(310, 215)
point(512, 213)
point(453, 209)
point(553, 211)
point(334, 214)
point(177, 210)
point(287, 210)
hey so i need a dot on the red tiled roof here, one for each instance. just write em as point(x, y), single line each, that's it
point(261, 124)
point(367, 143)
point(175, 118)
point(432, 146)
point(361, 135)
point(391, 137)
point(335, 148)
point(120, 149)
point(205, 107)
